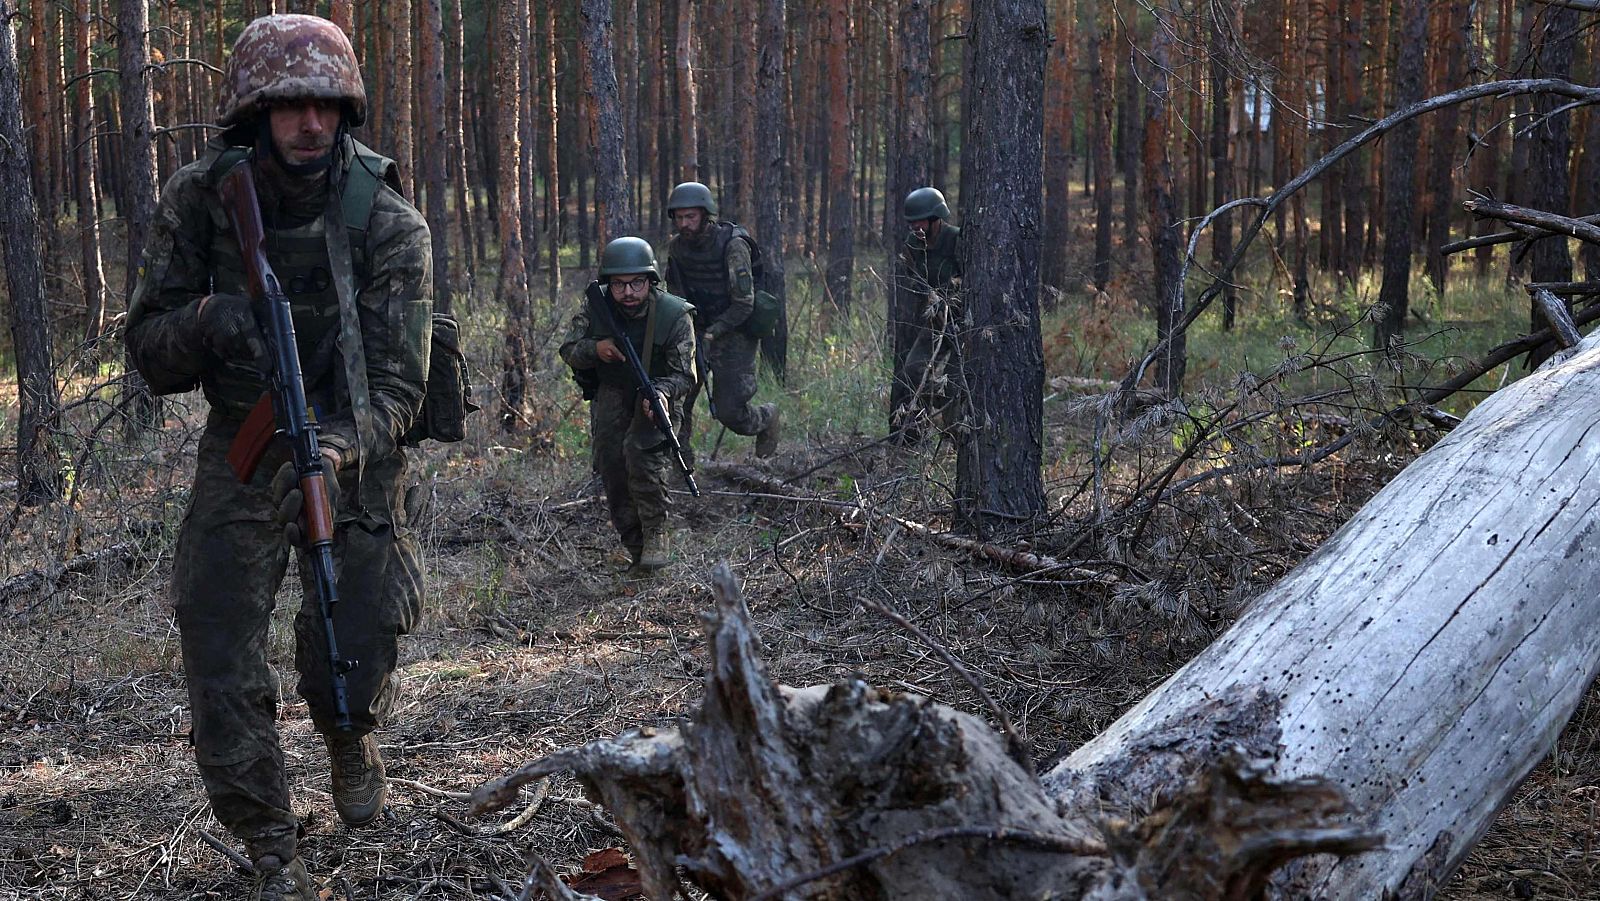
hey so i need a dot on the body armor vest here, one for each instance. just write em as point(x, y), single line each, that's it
point(299, 258)
point(669, 309)
point(701, 272)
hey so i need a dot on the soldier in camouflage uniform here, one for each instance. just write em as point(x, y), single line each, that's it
point(930, 266)
point(709, 263)
point(634, 461)
point(291, 89)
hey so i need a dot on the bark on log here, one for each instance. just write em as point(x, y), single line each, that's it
point(1428, 654)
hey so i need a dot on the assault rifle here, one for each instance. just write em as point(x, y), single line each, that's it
point(600, 309)
point(283, 410)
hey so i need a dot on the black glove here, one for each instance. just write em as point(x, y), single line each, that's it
point(290, 500)
point(229, 329)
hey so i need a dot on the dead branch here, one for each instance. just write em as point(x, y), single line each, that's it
point(1519, 233)
point(1026, 561)
point(1559, 317)
point(1586, 6)
point(123, 553)
point(1550, 223)
point(1567, 288)
point(1223, 276)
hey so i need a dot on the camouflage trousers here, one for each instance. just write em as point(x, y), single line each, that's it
point(932, 376)
point(230, 559)
point(634, 463)
point(731, 361)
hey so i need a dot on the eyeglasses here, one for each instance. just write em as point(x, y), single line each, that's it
point(633, 285)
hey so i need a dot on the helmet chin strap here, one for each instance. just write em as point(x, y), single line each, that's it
point(266, 146)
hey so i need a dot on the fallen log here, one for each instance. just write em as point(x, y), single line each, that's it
point(1350, 738)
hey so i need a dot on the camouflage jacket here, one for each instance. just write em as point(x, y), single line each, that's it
point(934, 267)
point(730, 257)
point(186, 258)
point(671, 360)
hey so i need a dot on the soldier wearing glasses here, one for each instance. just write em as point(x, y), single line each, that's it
point(630, 455)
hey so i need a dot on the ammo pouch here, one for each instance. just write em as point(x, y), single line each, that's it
point(448, 398)
point(764, 316)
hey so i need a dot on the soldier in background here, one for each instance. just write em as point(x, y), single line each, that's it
point(291, 90)
point(631, 456)
point(930, 267)
point(709, 263)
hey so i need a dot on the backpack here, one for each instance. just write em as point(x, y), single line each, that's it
point(764, 316)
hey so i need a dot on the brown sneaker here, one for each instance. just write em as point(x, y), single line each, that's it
point(280, 881)
point(359, 786)
point(767, 439)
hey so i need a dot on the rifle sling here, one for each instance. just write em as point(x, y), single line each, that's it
point(351, 349)
point(649, 337)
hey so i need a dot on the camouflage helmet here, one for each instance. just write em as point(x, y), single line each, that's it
point(628, 256)
point(691, 194)
point(926, 203)
point(290, 57)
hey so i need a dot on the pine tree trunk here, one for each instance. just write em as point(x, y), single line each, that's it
point(913, 164)
point(1161, 211)
point(94, 278)
point(1221, 168)
point(1000, 454)
point(688, 96)
point(772, 163)
point(1455, 22)
point(343, 14)
point(436, 128)
point(841, 158)
point(138, 171)
point(549, 158)
point(39, 402)
point(1100, 109)
point(511, 291)
point(1059, 84)
point(1493, 151)
point(527, 170)
point(1551, 146)
point(1355, 107)
point(605, 123)
point(1400, 188)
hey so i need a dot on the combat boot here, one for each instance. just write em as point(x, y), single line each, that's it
point(359, 786)
point(279, 881)
point(767, 439)
point(657, 552)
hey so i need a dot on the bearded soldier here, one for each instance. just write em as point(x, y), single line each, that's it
point(354, 259)
point(709, 262)
point(930, 267)
point(630, 454)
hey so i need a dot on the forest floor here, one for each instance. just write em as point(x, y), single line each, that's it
point(534, 640)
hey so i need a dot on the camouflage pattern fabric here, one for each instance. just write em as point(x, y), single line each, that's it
point(229, 562)
point(290, 57)
point(231, 555)
point(932, 368)
point(730, 354)
point(630, 456)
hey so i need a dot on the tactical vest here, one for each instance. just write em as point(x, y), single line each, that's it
point(702, 271)
point(937, 266)
point(299, 258)
point(669, 309)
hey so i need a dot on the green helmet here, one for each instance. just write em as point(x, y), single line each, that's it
point(926, 203)
point(691, 194)
point(628, 256)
